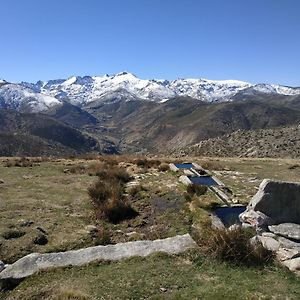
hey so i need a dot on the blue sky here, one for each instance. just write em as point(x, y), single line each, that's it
point(251, 40)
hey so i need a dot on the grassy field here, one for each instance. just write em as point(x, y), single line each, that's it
point(49, 199)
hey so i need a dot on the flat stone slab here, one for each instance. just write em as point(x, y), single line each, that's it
point(288, 230)
point(35, 262)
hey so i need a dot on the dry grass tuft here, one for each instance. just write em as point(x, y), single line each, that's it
point(107, 195)
point(234, 245)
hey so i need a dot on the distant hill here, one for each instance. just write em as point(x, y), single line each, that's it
point(275, 142)
point(37, 134)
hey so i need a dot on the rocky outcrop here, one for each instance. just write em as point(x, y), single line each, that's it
point(276, 208)
point(35, 262)
point(278, 201)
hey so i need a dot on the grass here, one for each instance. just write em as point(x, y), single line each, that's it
point(186, 276)
point(44, 196)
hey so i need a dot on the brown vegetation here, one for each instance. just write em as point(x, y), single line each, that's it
point(234, 245)
point(107, 195)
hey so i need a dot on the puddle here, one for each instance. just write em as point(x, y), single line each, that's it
point(229, 215)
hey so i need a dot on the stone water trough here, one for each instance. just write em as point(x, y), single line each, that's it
point(274, 211)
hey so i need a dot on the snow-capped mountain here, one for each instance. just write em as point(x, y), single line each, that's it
point(18, 97)
point(125, 86)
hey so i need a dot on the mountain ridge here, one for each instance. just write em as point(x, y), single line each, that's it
point(82, 91)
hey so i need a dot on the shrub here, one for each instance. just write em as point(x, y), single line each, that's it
point(163, 168)
point(145, 163)
point(234, 245)
point(196, 189)
point(103, 236)
point(135, 190)
point(12, 234)
point(103, 190)
point(19, 162)
point(114, 173)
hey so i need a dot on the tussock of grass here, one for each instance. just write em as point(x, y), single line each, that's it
point(197, 189)
point(107, 195)
point(234, 245)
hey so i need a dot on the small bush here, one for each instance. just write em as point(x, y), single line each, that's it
point(234, 246)
point(163, 168)
point(197, 189)
point(135, 190)
point(114, 173)
point(12, 234)
point(103, 190)
point(19, 162)
point(145, 163)
point(103, 237)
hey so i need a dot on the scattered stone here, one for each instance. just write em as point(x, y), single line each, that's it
point(1, 181)
point(269, 234)
point(283, 254)
point(163, 290)
point(269, 243)
point(91, 229)
point(34, 262)
point(25, 223)
point(286, 243)
point(288, 230)
point(292, 264)
point(66, 171)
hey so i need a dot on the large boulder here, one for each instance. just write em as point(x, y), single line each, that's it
point(278, 201)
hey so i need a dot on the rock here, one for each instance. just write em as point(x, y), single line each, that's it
point(288, 230)
point(66, 171)
point(286, 243)
point(283, 254)
point(255, 218)
point(269, 243)
point(216, 222)
point(1, 181)
point(269, 234)
point(2, 266)
point(292, 264)
point(34, 262)
point(25, 223)
point(91, 229)
point(163, 290)
point(278, 200)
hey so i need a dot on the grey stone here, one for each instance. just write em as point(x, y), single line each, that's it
point(288, 230)
point(283, 254)
point(216, 222)
point(292, 264)
point(278, 200)
point(255, 218)
point(269, 234)
point(286, 243)
point(34, 262)
point(269, 243)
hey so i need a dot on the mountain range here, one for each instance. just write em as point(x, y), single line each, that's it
point(122, 113)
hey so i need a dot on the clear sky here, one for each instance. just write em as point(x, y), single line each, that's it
point(250, 40)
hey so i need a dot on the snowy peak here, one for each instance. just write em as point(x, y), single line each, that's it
point(15, 96)
point(126, 86)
